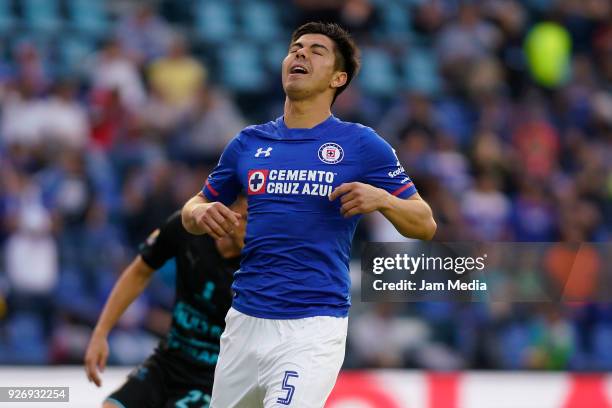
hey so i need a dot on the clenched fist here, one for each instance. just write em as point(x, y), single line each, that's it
point(359, 198)
point(215, 219)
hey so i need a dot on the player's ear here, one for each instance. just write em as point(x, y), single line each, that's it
point(338, 79)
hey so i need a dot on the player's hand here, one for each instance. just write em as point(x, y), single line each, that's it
point(95, 358)
point(215, 219)
point(358, 198)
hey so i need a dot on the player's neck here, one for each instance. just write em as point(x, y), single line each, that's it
point(305, 114)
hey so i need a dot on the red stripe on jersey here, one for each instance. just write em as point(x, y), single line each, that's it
point(212, 190)
point(402, 188)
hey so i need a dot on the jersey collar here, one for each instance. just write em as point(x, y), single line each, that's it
point(313, 133)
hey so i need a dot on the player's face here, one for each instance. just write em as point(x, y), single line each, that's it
point(310, 67)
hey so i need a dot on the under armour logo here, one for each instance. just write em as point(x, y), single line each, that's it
point(261, 151)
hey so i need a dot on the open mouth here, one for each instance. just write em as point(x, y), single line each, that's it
point(298, 69)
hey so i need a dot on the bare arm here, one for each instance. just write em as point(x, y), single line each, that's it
point(130, 285)
point(200, 216)
point(412, 218)
point(187, 218)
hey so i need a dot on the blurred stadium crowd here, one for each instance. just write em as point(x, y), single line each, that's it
point(113, 112)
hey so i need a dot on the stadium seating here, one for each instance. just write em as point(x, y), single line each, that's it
point(421, 71)
point(378, 76)
point(42, 15)
point(260, 21)
point(214, 21)
point(7, 17)
point(241, 67)
point(89, 17)
point(73, 51)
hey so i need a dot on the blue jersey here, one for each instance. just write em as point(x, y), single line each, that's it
point(295, 262)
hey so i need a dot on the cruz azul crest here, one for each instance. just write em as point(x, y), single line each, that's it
point(331, 153)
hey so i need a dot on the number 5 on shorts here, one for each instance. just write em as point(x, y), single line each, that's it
point(288, 387)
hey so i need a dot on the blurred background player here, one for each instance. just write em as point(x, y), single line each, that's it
point(309, 177)
point(180, 372)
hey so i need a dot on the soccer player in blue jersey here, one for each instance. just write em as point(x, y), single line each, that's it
point(308, 177)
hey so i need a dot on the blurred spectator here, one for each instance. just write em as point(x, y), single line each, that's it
point(143, 34)
point(534, 216)
point(103, 244)
point(31, 68)
point(109, 118)
point(452, 225)
point(178, 76)
point(31, 252)
point(382, 339)
point(469, 38)
point(602, 43)
point(537, 144)
point(68, 187)
point(428, 17)
point(552, 343)
point(449, 166)
point(491, 153)
point(113, 71)
point(317, 10)
point(359, 17)
point(353, 106)
point(21, 116)
point(486, 209)
point(57, 119)
point(148, 197)
point(466, 41)
point(215, 120)
point(485, 80)
point(63, 119)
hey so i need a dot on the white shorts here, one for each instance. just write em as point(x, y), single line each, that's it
point(278, 363)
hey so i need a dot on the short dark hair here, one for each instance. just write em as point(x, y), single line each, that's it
point(346, 51)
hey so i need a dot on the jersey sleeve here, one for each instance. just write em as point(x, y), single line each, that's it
point(163, 243)
point(381, 167)
point(223, 183)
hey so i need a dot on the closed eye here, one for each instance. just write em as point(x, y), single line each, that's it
point(317, 49)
